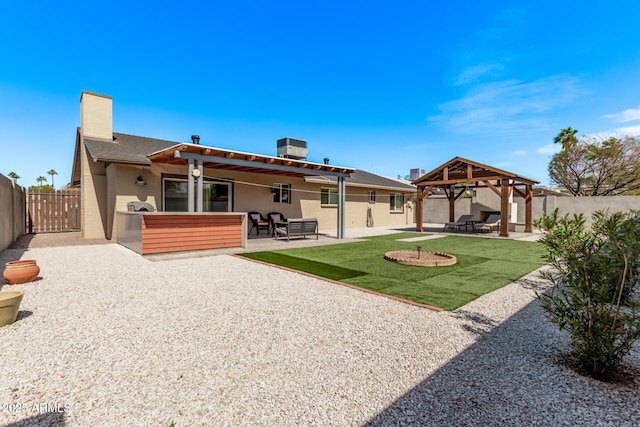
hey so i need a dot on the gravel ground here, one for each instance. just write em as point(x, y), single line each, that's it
point(107, 337)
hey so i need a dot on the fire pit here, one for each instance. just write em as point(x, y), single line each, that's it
point(421, 258)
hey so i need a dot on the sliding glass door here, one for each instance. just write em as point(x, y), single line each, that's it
point(216, 195)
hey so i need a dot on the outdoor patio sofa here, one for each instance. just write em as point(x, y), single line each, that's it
point(298, 227)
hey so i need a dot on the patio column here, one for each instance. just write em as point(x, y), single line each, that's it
point(419, 206)
point(199, 193)
point(190, 198)
point(528, 209)
point(341, 202)
point(504, 208)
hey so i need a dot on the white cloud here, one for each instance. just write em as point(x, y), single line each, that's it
point(550, 149)
point(625, 116)
point(630, 130)
point(520, 152)
point(509, 107)
point(472, 74)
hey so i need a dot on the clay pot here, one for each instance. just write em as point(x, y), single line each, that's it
point(9, 305)
point(21, 271)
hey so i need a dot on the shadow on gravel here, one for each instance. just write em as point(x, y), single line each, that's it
point(23, 314)
point(513, 376)
point(22, 242)
point(48, 419)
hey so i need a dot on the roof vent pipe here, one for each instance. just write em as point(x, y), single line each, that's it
point(195, 139)
point(326, 160)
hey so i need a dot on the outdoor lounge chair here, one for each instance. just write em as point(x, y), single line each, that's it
point(463, 221)
point(275, 219)
point(257, 222)
point(492, 222)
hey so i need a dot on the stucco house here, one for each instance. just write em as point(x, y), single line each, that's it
point(114, 169)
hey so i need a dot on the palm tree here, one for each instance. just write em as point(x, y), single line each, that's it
point(13, 176)
point(40, 180)
point(52, 172)
point(567, 137)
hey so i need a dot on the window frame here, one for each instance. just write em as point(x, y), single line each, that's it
point(393, 202)
point(329, 191)
point(282, 192)
point(372, 196)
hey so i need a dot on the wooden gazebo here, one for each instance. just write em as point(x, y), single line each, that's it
point(458, 174)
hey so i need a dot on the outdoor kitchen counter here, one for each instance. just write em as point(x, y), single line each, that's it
point(159, 232)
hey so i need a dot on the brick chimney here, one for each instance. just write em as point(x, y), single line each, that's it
point(96, 116)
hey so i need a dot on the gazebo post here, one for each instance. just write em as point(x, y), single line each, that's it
point(528, 209)
point(452, 203)
point(419, 207)
point(504, 208)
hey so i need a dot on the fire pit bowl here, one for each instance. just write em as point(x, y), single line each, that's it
point(421, 259)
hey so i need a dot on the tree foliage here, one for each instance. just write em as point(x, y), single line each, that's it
point(596, 166)
point(40, 180)
point(596, 273)
point(52, 172)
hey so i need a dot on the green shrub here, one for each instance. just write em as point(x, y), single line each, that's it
point(595, 275)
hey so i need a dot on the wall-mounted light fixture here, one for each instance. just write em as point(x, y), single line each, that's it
point(140, 181)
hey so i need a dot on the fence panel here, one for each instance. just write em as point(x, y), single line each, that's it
point(52, 211)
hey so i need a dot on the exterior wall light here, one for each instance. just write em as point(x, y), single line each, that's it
point(140, 181)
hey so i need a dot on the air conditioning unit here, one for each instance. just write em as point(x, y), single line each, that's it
point(292, 148)
point(415, 174)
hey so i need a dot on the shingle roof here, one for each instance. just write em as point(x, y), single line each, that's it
point(126, 148)
point(133, 149)
point(363, 178)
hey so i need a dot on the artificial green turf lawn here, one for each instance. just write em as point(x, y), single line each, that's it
point(483, 266)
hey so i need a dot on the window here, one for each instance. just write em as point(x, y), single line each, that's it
point(281, 193)
point(328, 197)
point(372, 196)
point(215, 195)
point(396, 202)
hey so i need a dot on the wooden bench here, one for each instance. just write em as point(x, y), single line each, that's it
point(298, 227)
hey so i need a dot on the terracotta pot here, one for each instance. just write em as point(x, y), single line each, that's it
point(9, 305)
point(21, 271)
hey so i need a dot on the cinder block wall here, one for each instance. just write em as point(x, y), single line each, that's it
point(13, 206)
point(437, 210)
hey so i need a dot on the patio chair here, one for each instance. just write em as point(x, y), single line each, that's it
point(275, 219)
point(257, 222)
point(491, 223)
point(463, 221)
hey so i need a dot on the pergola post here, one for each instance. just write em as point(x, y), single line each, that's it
point(199, 190)
point(341, 202)
point(190, 198)
point(504, 207)
point(419, 207)
point(528, 209)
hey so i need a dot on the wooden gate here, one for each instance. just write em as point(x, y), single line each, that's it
point(50, 211)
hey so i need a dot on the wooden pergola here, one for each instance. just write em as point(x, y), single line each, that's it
point(458, 174)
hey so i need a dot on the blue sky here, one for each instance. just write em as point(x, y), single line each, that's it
point(380, 86)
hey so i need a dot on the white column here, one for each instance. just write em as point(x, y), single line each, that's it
point(341, 203)
point(190, 198)
point(199, 194)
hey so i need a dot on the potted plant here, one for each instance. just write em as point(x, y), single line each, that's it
point(23, 271)
point(9, 305)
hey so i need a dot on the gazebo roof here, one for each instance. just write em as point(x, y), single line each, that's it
point(460, 170)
